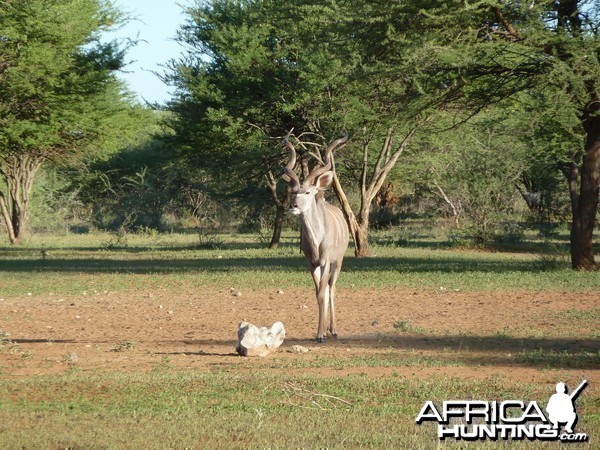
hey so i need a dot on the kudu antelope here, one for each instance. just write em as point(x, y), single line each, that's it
point(324, 234)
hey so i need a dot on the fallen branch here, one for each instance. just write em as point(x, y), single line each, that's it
point(302, 398)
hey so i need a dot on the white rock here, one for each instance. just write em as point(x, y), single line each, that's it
point(254, 341)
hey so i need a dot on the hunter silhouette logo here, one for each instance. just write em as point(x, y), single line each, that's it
point(561, 406)
point(510, 419)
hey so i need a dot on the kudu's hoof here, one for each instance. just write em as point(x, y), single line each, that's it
point(321, 340)
point(334, 336)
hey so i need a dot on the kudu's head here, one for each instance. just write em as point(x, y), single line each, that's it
point(306, 193)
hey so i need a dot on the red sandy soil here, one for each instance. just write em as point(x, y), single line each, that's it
point(482, 331)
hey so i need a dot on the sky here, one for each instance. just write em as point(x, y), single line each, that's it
point(154, 24)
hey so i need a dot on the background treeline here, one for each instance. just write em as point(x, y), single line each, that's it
point(483, 116)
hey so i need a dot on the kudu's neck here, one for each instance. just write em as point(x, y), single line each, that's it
point(313, 223)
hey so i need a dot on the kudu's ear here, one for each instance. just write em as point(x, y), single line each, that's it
point(324, 180)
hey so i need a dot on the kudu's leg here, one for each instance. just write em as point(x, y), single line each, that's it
point(336, 267)
point(321, 278)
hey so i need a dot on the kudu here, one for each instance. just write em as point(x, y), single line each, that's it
point(324, 233)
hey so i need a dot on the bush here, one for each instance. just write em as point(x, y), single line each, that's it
point(382, 218)
point(509, 233)
point(53, 208)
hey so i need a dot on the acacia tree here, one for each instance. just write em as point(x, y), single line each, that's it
point(229, 101)
point(57, 91)
point(256, 69)
point(475, 171)
point(487, 51)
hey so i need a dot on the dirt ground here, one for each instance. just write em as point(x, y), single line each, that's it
point(479, 333)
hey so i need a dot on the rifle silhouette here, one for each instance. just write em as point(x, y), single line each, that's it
point(578, 390)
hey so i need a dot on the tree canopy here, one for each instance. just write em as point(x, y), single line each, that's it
point(471, 106)
point(58, 92)
point(256, 69)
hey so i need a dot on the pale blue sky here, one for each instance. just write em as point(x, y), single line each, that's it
point(155, 24)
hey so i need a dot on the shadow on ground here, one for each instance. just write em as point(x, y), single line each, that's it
point(565, 353)
point(272, 264)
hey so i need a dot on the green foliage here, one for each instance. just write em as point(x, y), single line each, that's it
point(497, 91)
point(473, 172)
point(58, 91)
point(59, 97)
point(255, 69)
point(135, 181)
point(56, 205)
point(134, 188)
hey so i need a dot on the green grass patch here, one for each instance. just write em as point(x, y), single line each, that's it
point(79, 264)
point(225, 409)
point(550, 358)
point(393, 359)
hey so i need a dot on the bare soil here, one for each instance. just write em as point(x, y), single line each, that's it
point(463, 334)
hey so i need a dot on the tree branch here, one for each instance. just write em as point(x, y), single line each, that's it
point(272, 185)
point(512, 31)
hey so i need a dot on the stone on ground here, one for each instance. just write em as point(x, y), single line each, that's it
point(298, 349)
point(254, 341)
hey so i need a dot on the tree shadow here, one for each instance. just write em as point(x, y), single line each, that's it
point(559, 353)
point(425, 350)
point(44, 341)
point(440, 263)
point(199, 353)
point(566, 353)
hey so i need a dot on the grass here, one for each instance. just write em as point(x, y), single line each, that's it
point(170, 261)
point(176, 409)
point(405, 326)
point(552, 358)
point(279, 402)
point(179, 410)
point(387, 359)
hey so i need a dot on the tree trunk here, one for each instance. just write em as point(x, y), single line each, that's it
point(369, 187)
point(277, 227)
point(584, 212)
point(361, 240)
point(358, 231)
point(571, 173)
point(6, 215)
point(281, 206)
point(454, 208)
point(19, 219)
point(18, 173)
point(585, 205)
